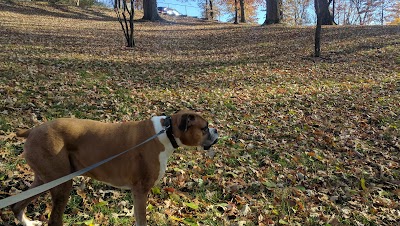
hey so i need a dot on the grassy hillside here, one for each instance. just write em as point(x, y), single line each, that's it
point(305, 141)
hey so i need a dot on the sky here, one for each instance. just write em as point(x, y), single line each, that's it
point(190, 8)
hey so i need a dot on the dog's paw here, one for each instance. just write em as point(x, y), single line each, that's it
point(27, 222)
point(32, 223)
point(37, 223)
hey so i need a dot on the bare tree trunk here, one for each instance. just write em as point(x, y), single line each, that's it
point(333, 11)
point(207, 10)
point(122, 8)
point(242, 16)
point(317, 44)
point(382, 11)
point(131, 41)
point(150, 10)
point(211, 10)
point(325, 13)
point(236, 13)
point(274, 12)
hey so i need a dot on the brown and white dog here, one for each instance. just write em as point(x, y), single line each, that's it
point(60, 147)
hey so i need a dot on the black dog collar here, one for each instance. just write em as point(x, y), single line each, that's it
point(170, 135)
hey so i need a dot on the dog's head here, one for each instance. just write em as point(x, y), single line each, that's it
point(192, 130)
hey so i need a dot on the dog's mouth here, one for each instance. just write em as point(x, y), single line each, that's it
point(211, 139)
point(207, 147)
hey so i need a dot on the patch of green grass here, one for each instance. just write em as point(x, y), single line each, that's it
point(211, 193)
point(5, 125)
point(313, 162)
point(313, 221)
point(211, 222)
point(232, 162)
point(210, 170)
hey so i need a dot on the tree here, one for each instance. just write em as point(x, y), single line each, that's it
point(236, 13)
point(363, 12)
point(382, 4)
point(211, 10)
point(317, 40)
point(324, 12)
point(124, 8)
point(150, 10)
point(345, 12)
point(394, 13)
point(324, 17)
point(274, 12)
point(370, 11)
point(138, 5)
point(364, 9)
point(295, 11)
point(247, 11)
point(242, 15)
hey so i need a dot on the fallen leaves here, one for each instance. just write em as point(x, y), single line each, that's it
point(303, 141)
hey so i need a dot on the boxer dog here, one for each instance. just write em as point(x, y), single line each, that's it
point(60, 147)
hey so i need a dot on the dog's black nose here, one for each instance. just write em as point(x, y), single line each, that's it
point(215, 131)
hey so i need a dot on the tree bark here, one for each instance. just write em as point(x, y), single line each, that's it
point(317, 40)
point(211, 10)
point(274, 12)
point(236, 13)
point(242, 16)
point(150, 10)
point(333, 12)
point(131, 41)
point(206, 8)
point(325, 13)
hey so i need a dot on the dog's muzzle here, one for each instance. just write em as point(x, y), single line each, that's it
point(212, 139)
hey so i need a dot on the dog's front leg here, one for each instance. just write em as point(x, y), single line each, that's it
point(139, 203)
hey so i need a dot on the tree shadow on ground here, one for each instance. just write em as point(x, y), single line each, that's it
point(54, 10)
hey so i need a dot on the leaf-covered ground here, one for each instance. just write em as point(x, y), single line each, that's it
point(304, 141)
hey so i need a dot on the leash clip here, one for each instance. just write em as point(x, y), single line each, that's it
point(167, 123)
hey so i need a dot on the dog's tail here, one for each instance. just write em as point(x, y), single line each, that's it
point(24, 132)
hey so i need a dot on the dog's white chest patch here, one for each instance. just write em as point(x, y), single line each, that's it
point(163, 157)
point(168, 149)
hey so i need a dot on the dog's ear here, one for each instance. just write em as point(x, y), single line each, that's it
point(186, 121)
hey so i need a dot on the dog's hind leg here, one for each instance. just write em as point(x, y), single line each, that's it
point(20, 207)
point(55, 167)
